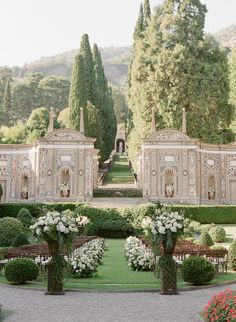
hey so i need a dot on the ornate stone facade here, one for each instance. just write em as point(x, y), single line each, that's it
point(63, 166)
point(174, 168)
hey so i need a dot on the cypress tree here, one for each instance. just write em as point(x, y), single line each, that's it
point(86, 53)
point(78, 94)
point(146, 14)
point(7, 98)
point(105, 106)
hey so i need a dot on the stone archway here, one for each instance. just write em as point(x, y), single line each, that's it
point(120, 145)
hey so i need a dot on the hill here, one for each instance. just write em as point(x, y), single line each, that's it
point(115, 60)
point(226, 37)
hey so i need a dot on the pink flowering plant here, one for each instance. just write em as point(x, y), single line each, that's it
point(221, 307)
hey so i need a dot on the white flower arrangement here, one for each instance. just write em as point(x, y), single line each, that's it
point(25, 189)
point(164, 223)
point(85, 260)
point(64, 187)
point(211, 189)
point(140, 257)
point(54, 223)
point(169, 188)
point(164, 228)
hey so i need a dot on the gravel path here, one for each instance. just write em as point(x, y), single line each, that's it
point(34, 306)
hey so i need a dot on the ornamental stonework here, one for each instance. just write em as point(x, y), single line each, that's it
point(211, 161)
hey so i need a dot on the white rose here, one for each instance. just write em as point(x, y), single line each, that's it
point(46, 228)
point(162, 230)
point(173, 229)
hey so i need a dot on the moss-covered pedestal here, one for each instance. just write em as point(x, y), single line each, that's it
point(55, 269)
point(168, 271)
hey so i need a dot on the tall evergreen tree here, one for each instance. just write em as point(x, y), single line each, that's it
point(78, 94)
point(146, 13)
point(7, 98)
point(86, 53)
point(175, 67)
point(105, 106)
point(139, 28)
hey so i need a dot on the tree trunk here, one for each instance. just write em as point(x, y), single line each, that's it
point(55, 269)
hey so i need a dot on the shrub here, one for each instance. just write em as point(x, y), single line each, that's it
point(206, 228)
point(218, 234)
point(20, 240)
point(197, 270)
point(9, 229)
point(221, 307)
point(20, 270)
point(193, 228)
point(232, 251)
point(205, 239)
point(233, 264)
point(25, 217)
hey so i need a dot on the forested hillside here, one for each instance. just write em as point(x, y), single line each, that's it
point(227, 36)
point(116, 61)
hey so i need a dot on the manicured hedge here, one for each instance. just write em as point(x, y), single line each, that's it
point(112, 219)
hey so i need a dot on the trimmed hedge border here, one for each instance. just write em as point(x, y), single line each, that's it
point(118, 193)
point(126, 216)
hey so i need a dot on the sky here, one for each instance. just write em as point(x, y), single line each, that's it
point(31, 29)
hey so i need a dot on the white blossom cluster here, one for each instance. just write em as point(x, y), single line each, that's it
point(140, 257)
point(55, 222)
point(85, 259)
point(164, 222)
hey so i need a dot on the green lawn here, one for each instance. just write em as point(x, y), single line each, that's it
point(115, 275)
point(119, 171)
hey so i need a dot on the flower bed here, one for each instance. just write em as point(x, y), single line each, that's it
point(85, 259)
point(140, 257)
point(221, 307)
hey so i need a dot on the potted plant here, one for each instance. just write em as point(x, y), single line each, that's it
point(64, 189)
point(211, 192)
point(24, 191)
point(169, 190)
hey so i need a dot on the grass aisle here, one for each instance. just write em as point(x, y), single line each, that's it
point(119, 171)
point(115, 274)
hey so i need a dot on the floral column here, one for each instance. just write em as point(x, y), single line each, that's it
point(163, 229)
point(58, 230)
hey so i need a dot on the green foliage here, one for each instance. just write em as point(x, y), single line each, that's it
point(171, 70)
point(117, 193)
point(20, 270)
point(232, 251)
point(206, 228)
point(25, 217)
point(9, 229)
point(233, 264)
point(217, 234)
point(20, 240)
point(14, 134)
point(64, 118)
point(38, 122)
point(78, 95)
point(120, 104)
point(197, 270)
point(205, 239)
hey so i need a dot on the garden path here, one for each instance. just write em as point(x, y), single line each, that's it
point(30, 305)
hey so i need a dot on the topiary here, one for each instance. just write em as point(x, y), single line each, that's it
point(25, 217)
point(232, 251)
point(20, 240)
point(197, 270)
point(20, 270)
point(9, 229)
point(205, 239)
point(206, 228)
point(218, 234)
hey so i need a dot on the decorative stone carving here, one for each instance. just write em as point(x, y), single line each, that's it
point(65, 135)
point(169, 135)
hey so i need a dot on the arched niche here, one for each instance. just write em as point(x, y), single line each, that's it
point(169, 182)
point(64, 182)
point(211, 187)
point(120, 146)
point(24, 186)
